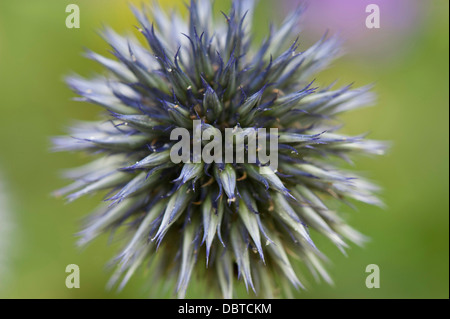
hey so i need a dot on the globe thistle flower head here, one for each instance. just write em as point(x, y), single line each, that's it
point(226, 220)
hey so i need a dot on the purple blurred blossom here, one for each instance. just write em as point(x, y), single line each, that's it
point(400, 20)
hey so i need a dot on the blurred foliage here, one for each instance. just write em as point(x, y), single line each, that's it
point(410, 239)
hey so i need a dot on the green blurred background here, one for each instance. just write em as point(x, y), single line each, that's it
point(410, 239)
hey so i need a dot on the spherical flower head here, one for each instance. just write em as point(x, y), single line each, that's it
point(245, 214)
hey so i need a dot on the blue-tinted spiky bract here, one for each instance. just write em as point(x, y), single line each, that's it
point(228, 221)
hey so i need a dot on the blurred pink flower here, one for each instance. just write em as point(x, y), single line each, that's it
point(400, 20)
